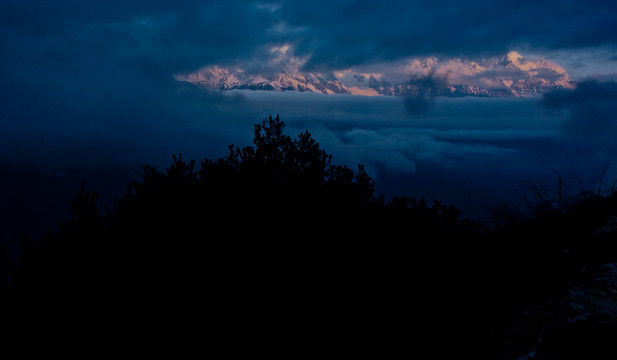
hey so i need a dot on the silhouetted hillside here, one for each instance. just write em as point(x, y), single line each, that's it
point(274, 250)
point(268, 245)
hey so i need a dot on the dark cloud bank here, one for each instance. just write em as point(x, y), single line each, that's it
point(87, 91)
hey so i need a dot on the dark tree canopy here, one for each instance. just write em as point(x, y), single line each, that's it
point(276, 247)
point(276, 219)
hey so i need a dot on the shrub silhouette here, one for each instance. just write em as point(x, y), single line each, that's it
point(275, 245)
point(270, 242)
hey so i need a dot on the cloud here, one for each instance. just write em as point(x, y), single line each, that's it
point(417, 105)
point(382, 134)
point(349, 33)
point(468, 150)
point(397, 149)
point(592, 112)
point(92, 82)
point(177, 35)
point(585, 143)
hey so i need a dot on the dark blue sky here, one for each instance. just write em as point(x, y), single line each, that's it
point(89, 84)
point(74, 71)
point(165, 37)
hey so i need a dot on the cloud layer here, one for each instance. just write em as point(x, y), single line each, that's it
point(183, 35)
point(352, 32)
point(591, 125)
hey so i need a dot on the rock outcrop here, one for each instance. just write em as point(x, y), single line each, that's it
point(582, 326)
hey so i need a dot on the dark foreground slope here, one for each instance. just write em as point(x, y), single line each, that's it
point(275, 251)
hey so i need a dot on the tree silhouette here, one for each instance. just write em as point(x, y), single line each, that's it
point(221, 245)
point(275, 244)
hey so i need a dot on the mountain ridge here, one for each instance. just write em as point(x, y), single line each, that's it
point(511, 75)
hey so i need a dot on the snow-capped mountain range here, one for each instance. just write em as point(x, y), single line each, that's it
point(511, 75)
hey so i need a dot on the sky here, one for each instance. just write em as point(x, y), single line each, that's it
point(89, 85)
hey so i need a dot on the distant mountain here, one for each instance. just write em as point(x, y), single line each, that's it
point(511, 75)
point(220, 78)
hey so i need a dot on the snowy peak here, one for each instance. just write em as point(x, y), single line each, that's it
point(522, 63)
point(511, 75)
point(513, 56)
point(219, 78)
point(214, 77)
